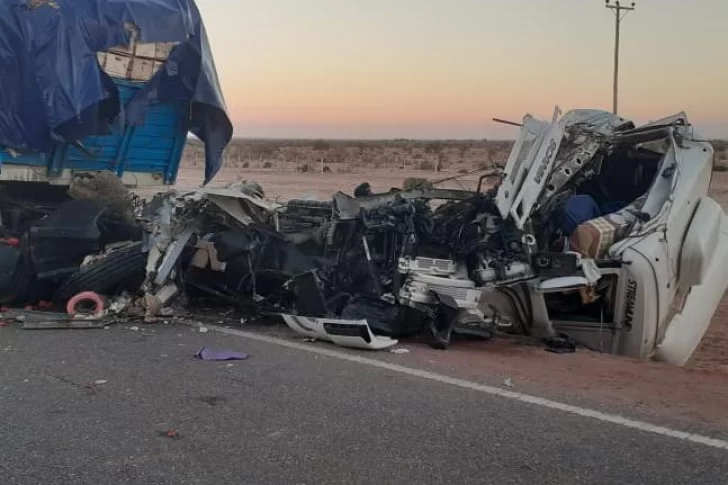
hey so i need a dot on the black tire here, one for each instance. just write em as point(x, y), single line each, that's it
point(120, 269)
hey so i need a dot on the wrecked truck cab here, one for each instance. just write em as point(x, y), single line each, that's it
point(627, 247)
point(599, 232)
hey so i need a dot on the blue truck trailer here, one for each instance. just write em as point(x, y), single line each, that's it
point(94, 92)
point(144, 155)
point(102, 85)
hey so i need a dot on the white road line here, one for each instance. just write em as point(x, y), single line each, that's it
point(493, 391)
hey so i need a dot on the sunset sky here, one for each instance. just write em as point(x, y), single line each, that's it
point(444, 69)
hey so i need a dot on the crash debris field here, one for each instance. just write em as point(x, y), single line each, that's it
point(711, 356)
point(366, 258)
point(589, 244)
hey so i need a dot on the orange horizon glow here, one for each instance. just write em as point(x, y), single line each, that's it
point(431, 69)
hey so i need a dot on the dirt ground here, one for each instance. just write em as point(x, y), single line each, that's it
point(700, 390)
point(290, 185)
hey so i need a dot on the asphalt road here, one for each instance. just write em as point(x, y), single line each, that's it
point(95, 407)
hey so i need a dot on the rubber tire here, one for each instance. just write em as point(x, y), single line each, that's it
point(84, 297)
point(110, 273)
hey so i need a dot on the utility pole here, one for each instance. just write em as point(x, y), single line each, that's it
point(619, 13)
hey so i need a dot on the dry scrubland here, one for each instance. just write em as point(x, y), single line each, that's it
point(350, 156)
point(342, 156)
point(296, 168)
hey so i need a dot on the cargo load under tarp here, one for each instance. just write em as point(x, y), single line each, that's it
point(54, 91)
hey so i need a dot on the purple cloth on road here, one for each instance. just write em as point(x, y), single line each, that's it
point(207, 354)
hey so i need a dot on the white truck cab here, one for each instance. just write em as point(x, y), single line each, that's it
point(602, 232)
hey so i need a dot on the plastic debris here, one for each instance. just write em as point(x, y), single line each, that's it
point(207, 354)
point(400, 351)
point(509, 383)
point(120, 304)
point(560, 344)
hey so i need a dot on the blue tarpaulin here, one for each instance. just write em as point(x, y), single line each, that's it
point(52, 88)
point(577, 210)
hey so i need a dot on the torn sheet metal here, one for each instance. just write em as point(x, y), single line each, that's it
point(39, 320)
point(595, 121)
point(72, 324)
point(177, 216)
point(355, 334)
point(177, 208)
point(172, 254)
point(246, 209)
point(522, 155)
point(539, 171)
point(347, 207)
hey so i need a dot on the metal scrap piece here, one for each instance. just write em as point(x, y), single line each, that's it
point(174, 251)
point(355, 334)
point(37, 320)
point(62, 325)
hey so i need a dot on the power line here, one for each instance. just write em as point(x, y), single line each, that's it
point(620, 12)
